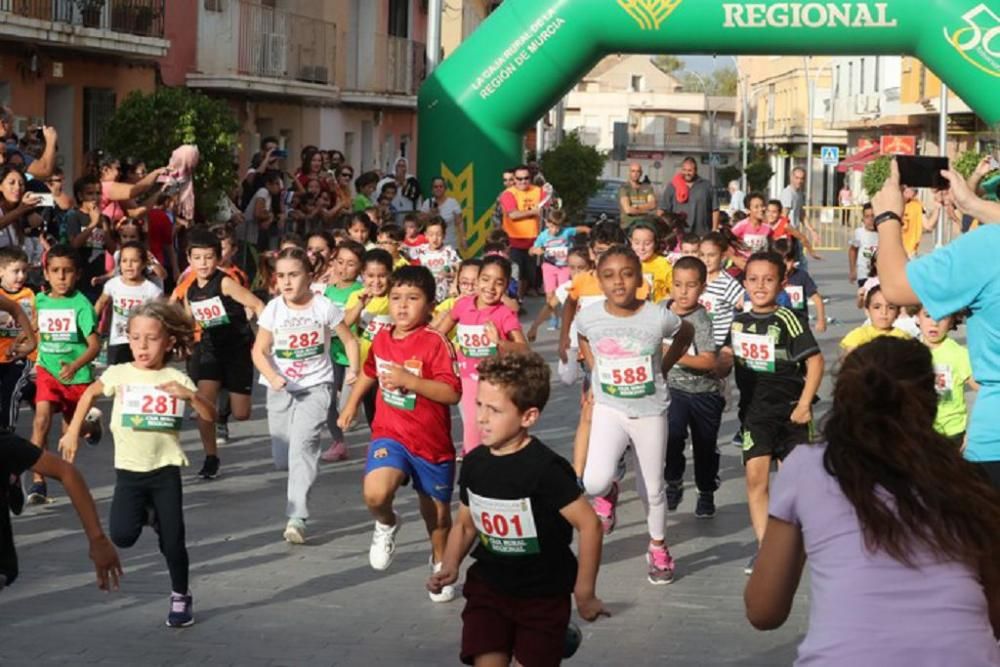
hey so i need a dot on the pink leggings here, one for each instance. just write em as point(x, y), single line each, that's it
point(553, 276)
point(470, 429)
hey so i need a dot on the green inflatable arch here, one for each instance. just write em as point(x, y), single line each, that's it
point(474, 109)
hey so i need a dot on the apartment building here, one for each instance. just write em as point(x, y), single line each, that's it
point(460, 18)
point(68, 63)
point(338, 74)
point(665, 123)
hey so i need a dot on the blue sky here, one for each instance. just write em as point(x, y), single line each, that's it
point(703, 64)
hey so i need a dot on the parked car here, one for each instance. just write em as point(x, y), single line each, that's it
point(604, 202)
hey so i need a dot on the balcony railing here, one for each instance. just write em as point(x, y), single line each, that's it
point(694, 142)
point(143, 18)
point(277, 44)
point(388, 65)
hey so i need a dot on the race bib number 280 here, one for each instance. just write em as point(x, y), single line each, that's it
point(506, 527)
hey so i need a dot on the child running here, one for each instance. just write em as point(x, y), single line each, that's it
point(320, 247)
point(778, 371)
point(346, 261)
point(656, 269)
point(864, 245)
point(124, 292)
point(67, 328)
point(221, 358)
point(485, 327)
point(442, 260)
point(149, 399)
point(414, 369)
point(553, 246)
point(723, 296)
point(952, 374)
point(881, 315)
point(520, 505)
point(17, 335)
point(290, 352)
point(696, 403)
point(800, 287)
point(754, 232)
point(622, 342)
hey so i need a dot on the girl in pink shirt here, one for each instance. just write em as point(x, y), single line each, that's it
point(754, 232)
point(484, 327)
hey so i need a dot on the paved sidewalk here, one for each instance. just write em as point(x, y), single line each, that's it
point(259, 601)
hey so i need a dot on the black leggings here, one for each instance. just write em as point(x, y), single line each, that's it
point(160, 489)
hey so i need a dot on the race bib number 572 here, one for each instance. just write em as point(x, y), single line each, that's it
point(506, 527)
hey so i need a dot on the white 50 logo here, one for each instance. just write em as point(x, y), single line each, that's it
point(980, 37)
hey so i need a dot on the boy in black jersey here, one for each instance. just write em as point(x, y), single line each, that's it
point(779, 368)
point(221, 357)
point(520, 504)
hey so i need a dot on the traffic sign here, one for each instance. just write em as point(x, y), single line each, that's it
point(831, 155)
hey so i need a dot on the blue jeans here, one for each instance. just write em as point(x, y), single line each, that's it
point(702, 414)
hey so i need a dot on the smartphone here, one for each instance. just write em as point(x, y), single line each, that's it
point(45, 200)
point(280, 153)
point(923, 172)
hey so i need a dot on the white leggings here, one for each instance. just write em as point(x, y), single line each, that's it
point(610, 433)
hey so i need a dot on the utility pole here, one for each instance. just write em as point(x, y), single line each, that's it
point(745, 85)
point(810, 97)
point(433, 35)
point(711, 129)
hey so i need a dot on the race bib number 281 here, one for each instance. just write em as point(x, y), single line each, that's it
point(146, 408)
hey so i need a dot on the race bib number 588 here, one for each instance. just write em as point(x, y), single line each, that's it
point(629, 377)
point(506, 527)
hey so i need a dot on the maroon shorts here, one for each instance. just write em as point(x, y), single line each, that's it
point(533, 630)
point(63, 397)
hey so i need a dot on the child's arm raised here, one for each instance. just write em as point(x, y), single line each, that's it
point(242, 295)
point(460, 540)
point(802, 414)
point(71, 438)
point(581, 516)
point(445, 324)
point(513, 344)
point(105, 558)
point(93, 349)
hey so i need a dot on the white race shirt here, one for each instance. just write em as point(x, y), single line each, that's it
point(300, 351)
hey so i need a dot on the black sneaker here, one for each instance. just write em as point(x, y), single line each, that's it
point(674, 493)
point(38, 494)
point(210, 469)
point(181, 611)
point(705, 508)
point(15, 496)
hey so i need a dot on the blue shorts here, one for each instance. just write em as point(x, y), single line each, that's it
point(434, 480)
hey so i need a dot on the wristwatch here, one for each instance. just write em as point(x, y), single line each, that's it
point(886, 216)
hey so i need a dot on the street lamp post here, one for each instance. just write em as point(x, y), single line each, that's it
point(433, 35)
point(810, 97)
point(745, 84)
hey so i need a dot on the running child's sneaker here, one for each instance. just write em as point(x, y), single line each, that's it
point(336, 452)
point(604, 507)
point(705, 508)
point(447, 593)
point(295, 531)
point(674, 494)
point(15, 495)
point(38, 494)
point(92, 429)
point(661, 565)
point(383, 546)
point(181, 611)
point(210, 468)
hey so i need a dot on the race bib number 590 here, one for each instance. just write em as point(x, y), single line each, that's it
point(506, 527)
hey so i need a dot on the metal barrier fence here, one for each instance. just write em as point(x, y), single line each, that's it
point(835, 227)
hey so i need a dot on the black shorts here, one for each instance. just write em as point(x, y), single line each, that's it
point(231, 367)
point(773, 435)
point(120, 354)
point(531, 629)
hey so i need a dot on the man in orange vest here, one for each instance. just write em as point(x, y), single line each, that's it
point(521, 220)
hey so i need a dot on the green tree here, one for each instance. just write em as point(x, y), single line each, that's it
point(876, 173)
point(150, 127)
point(728, 173)
point(574, 171)
point(668, 64)
point(759, 175)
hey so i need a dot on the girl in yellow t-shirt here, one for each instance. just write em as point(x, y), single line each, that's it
point(881, 315)
point(657, 273)
point(149, 400)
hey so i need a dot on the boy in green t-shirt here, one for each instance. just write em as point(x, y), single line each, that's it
point(68, 342)
point(952, 373)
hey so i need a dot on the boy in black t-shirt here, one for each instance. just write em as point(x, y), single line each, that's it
point(520, 503)
point(778, 371)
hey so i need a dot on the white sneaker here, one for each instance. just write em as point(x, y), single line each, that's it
point(447, 593)
point(295, 531)
point(383, 546)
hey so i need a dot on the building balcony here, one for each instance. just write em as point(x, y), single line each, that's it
point(681, 143)
point(387, 72)
point(251, 48)
point(120, 27)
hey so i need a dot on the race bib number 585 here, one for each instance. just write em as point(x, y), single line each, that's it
point(756, 351)
point(506, 527)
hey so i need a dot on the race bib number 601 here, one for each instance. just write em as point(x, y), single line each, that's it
point(506, 527)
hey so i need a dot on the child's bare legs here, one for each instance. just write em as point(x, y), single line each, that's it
point(239, 405)
point(379, 489)
point(40, 431)
point(493, 660)
point(581, 441)
point(209, 390)
point(758, 471)
point(437, 518)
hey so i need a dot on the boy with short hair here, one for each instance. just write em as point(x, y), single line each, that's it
point(414, 368)
point(67, 328)
point(863, 247)
point(778, 363)
point(390, 239)
point(520, 504)
point(17, 335)
point(413, 235)
point(696, 401)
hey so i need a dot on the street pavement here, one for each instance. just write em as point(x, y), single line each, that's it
point(261, 602)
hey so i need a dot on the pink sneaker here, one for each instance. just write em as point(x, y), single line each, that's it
point(604, 506)
point(661, 565)
point(337, 452)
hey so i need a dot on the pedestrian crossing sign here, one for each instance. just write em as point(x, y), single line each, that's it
point(831, 155)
